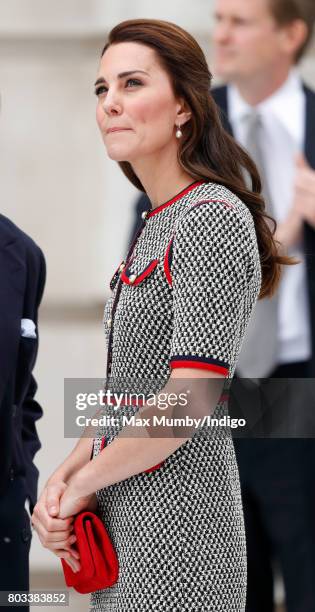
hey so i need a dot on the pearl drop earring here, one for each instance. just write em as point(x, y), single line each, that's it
point(179, 132)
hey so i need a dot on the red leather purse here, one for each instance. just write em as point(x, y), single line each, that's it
point(98, 559)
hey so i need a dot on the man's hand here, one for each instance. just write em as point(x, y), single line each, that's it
point(55, 533)
point(290, 232)
point(304, 190)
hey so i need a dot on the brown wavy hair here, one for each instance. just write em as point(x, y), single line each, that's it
point(206, 151)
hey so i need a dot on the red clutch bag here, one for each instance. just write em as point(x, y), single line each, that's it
point(98, 559)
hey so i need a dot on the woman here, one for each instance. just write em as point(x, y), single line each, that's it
point(179, 309)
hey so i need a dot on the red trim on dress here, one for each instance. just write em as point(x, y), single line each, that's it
point(155, 467)
point(141, 276)
point(227, 204)
point(177, 197)
point(185, 363)
point(166, 263)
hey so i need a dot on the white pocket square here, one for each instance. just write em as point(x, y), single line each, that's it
point(28, 328)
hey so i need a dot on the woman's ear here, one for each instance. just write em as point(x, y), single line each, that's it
point(183, 112)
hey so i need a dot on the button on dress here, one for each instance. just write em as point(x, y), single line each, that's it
point(183, 297)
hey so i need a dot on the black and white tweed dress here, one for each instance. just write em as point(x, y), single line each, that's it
point(183, 299)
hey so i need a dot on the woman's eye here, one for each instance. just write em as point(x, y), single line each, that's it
point(100, 90)
point(133, 82)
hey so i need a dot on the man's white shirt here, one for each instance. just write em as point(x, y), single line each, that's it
point(284, 119)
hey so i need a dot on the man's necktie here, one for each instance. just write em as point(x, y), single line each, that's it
point(258, 354)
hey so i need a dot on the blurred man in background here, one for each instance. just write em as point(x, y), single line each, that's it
point(22, 279)
point(271, 112)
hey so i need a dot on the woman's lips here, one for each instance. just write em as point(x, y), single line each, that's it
point(111, 130)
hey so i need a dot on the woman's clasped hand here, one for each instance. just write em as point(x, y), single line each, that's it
point(53, 518)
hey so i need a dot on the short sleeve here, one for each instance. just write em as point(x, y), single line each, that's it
point(210, 284)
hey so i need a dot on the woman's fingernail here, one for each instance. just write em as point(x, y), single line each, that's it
point(53, 509)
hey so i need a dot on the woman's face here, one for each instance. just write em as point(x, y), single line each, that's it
point(136, 109)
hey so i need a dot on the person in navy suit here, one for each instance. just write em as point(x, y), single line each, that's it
point(22, 280)
point(258, 45)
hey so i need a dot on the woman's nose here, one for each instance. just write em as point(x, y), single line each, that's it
point(112, 105)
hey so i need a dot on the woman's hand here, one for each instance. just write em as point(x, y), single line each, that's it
point(55, 533)
point(73, 501)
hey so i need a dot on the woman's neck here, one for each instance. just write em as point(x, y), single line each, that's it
point(162, 177)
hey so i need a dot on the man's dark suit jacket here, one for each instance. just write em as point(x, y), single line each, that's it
point(220, 96)
point(22, 280)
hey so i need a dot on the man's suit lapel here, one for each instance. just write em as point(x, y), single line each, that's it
point(309, 232)
point(12, 287)
point(220, 96)
point(310, 126)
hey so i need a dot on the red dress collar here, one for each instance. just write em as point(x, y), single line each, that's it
point(181, 194)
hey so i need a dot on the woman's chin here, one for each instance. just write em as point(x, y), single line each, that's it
point(118, 155)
